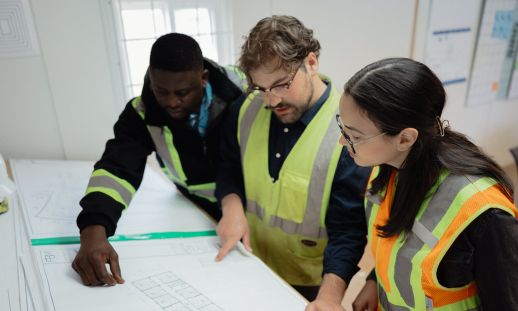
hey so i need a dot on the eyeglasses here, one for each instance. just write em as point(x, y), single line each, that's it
point(348, 138)
point(278, 90)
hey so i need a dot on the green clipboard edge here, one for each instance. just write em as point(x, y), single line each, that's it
point(126, 237)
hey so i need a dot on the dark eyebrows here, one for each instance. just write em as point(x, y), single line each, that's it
point(163, 89)
point(354, 129)
point(185, 89)
point(274, 84)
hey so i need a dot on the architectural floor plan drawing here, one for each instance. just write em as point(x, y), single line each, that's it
point(172, 293)
point(167, 275)
point(50, 192)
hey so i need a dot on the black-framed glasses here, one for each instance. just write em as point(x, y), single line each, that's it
point(280, 89)
point(348, 138)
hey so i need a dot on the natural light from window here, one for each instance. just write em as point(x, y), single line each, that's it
point(141, 22)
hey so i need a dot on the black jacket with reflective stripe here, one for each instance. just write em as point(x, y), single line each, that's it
point(125, 155)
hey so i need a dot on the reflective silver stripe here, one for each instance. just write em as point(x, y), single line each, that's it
point(140, 107)
point(441, 201)
point(424, 234)
point(254, 208)
point(161, 148)
point(371, 200)
point(107, 182)
point(368, 210)
point(245, 126)
point(403, 268)
point(316, 189)
point(203, 192)
point(292, 227)
point(385, 304)
point(310, 226)
point(159, 140)
point(237, 76)
point(287, 226)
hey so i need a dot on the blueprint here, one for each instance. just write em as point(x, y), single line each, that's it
point(163, 270)
point(50, 192)
point(168, 275)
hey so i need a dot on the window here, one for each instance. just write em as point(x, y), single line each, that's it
point(140, 22)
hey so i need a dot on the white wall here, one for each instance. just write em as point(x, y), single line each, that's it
point(28, 123)
point(62, 104)
point(356, 33)
point(352, 33)
point(493, 126)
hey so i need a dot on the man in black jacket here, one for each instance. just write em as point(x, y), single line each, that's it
point(184, 100)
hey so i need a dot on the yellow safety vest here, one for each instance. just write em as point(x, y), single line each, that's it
point(287, 217)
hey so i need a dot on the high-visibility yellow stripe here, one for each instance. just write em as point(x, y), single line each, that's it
point(122, 182)
point(206, 186)
point(175, 157)
point(109, 192)
point(135, 103)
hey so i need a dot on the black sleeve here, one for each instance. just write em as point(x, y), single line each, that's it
point(229, 177)
point(345, 219)
point(125, 157)
point(495, 238)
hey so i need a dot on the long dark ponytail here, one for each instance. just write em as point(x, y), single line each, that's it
point(399, 93)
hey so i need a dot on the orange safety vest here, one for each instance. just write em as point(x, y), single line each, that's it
point(406, 265)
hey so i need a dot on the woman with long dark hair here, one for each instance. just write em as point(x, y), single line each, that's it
point(442, 221)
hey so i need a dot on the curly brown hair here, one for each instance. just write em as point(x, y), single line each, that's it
point(280, 40)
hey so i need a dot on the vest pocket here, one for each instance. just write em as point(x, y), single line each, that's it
point(306, 248)
point(293, 196)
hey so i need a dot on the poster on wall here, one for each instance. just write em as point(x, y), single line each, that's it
point(452, 27)
point(494, 76)
point(17, 32)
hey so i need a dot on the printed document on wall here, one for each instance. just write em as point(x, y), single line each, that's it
point(451, 36)
point(495, 52)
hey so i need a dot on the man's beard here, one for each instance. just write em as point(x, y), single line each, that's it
point(296, 111)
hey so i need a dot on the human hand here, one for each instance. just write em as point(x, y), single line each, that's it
point(324, 305)
point(367, 299)
point(233, 226)
point(90, 261)
point(330, 294)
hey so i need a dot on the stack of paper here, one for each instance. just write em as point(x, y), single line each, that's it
point(166, 248)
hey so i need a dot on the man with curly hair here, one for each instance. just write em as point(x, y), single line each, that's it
point(288, 190)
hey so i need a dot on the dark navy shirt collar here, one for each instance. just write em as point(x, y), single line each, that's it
point(310, 114)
